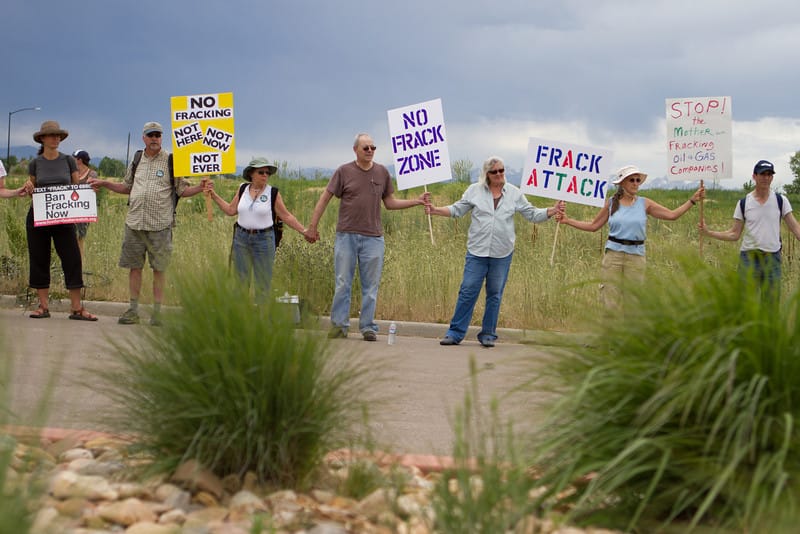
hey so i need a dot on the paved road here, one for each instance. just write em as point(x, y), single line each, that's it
point(426, 382)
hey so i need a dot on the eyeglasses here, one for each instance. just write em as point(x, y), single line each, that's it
point(154, 134)
point(369, 148)
point(264, 172)
point(636, 180)
point(497, 171)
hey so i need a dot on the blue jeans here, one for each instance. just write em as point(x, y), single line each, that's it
point(254, 253)
point(765, 270)
point(477, 269)
point(368, 252)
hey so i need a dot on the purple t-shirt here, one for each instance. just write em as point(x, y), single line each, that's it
point(361, 193)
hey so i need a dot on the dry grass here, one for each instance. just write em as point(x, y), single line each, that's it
point(421, 279)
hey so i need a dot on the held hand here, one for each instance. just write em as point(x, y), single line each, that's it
point(425, 198)
point(700, 194)
point(22, 192)
point(309, 236)
point(96, 184)
point(208, 185)
point(429, 208)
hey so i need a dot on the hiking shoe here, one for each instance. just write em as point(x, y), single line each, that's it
point(369, 335)
point(129, 317)
point(336, 332)
point(155, 320)
point(487, 342)
point(447, 340)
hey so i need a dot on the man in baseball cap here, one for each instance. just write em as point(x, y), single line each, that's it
point(153, 191)
point(760, 213)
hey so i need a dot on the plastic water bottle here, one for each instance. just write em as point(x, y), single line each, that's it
point(392, 333)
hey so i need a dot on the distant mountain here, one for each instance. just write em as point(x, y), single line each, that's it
point(23, 152)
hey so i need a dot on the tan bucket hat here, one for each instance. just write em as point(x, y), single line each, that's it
point(48, 128)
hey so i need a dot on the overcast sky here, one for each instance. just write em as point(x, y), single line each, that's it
point(307, 75)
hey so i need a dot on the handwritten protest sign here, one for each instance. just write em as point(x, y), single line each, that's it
point(565, 171)
point(203, 140)
point(64, 204)
point(699, 142)
point(419, 144)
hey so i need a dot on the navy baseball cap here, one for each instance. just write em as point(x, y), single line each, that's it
point(81, 155)
point(763, 166)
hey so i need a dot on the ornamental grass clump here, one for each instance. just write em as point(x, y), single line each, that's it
point(236, 387)
point(488, 489)
point(683, 409)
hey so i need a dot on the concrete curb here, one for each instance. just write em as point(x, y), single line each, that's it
point(404, 328)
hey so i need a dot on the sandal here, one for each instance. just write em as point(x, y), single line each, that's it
point(82, 315)
point(40, 313)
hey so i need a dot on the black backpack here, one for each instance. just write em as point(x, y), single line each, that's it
point(778, 197)
point(137, 157)
point(277, 223)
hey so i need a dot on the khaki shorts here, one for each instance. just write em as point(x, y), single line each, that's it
point(138, 244)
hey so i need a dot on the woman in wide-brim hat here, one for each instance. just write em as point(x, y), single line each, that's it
point(254, 233)
point(626, 213)
point(52, 168)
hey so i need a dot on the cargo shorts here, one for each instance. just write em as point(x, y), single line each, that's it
point(140, 244)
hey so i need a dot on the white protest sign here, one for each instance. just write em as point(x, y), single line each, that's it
point(699, 144)
point(419, 144)
point(565, 171)
point(64, 204)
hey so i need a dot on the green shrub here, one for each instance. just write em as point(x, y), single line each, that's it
point(236, 387)
point(684, 408)
point(21, 487)
point(487, 491)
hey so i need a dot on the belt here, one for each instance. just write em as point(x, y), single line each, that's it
point(249, 231)
point(626, 241)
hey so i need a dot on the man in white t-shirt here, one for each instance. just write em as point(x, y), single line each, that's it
point(759, 214)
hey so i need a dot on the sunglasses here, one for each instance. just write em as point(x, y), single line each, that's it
point(154, 134)
point(264, 172)
point(497, 171)
point(636, 180)
point(369, 148)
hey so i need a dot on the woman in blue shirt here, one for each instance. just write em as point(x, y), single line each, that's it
point(626, 213)
point(490, 246)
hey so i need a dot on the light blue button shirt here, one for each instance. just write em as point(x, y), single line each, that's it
point(491, 232)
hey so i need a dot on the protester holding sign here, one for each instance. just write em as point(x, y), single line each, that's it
point(85, 173)
point(153, 191)
point(626, 214)
point(490, 246)
point(254, 238)
point(760, 214)
point(52, 168)
point(361, 185)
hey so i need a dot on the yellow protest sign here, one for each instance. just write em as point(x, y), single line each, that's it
point(203, 140)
